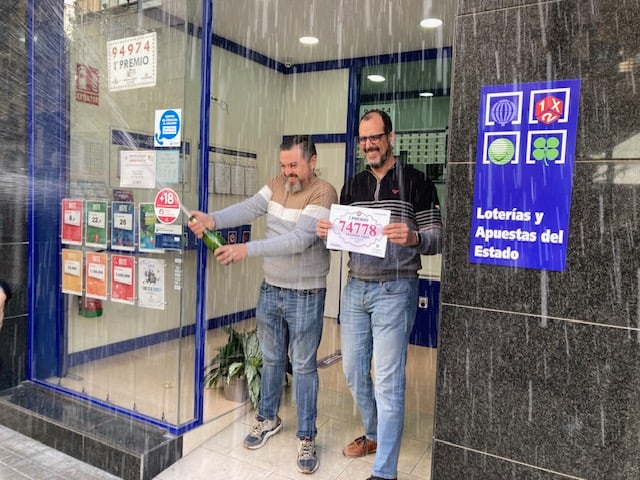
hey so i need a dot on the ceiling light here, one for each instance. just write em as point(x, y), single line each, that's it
point(430, 23)
point(426, 94)
point(376, 78)
point(308, 40)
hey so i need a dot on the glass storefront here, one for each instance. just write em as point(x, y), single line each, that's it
point(127, 307)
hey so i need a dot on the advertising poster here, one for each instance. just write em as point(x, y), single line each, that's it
point(123, 279)
point(131, 62)
point(138, 169)
point(71, 222)
point(122, 226)
point(151, 283)
point(524, 174)
point(96, 222)
point(71, 271)
point(168, 167)
point(96, 275)
point(87, 84)
point(147, 241)
point(169, 236)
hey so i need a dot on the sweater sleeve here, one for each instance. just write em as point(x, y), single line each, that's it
point(285, 239)
point(243, 212)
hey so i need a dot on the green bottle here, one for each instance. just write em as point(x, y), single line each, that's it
point(210, 238)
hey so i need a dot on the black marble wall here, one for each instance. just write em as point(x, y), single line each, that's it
point(13, 189)
point(539, 372)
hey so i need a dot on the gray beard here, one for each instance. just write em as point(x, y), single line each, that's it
point(296, 187)
point(380, 163)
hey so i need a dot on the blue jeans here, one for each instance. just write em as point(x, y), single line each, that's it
point(376, 319)
point(290, 320)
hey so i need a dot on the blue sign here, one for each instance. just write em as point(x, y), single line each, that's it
point(168, 128)
point(524, 174)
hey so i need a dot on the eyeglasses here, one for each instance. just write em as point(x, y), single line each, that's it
point(372, 138)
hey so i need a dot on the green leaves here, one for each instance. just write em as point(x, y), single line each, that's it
point(240, 357)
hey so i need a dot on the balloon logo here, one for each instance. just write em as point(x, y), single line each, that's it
point(503, 111)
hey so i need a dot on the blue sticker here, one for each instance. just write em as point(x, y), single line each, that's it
point(168, 127)
point(524, 174)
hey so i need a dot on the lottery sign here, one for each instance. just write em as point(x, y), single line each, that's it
point(358, 229)
point(131, 62)
point(524, 174)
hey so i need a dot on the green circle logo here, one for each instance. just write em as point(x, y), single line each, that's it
point(501, 151)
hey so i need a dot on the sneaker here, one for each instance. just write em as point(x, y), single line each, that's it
point(360, 447)
point(307, 458)
point(373, 477)
point(262, 430)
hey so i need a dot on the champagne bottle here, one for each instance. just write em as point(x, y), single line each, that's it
point(211, 239)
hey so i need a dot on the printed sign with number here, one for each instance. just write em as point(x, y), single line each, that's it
point(72, 211)
point(358, 229)
point(131, 62)
point(167, 206)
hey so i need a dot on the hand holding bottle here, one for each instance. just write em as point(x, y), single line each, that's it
point(231, 253)
point(199, 222)
point(203, 225)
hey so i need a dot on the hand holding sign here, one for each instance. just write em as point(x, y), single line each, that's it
point(358, 229)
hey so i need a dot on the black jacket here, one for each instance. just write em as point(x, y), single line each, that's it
point(412, 199)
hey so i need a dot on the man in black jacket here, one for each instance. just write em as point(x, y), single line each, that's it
point(381, 295)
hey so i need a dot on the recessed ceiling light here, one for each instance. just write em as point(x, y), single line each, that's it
point(376, 78)
point(308, 40)
point(426, 94)
point(430, 23)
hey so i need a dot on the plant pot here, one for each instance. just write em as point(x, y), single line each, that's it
point(236, 390)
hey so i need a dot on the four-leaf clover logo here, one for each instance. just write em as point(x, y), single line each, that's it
point(546, 149)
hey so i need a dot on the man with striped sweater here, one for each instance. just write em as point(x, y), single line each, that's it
point(291, 302)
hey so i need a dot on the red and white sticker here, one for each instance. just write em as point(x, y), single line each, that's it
point(167, 206)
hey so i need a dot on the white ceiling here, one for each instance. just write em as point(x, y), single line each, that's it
point(346, 28)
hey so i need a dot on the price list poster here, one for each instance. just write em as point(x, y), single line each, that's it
point(71, 271)
point(96, 275)
point(71, 221)
point(524, 174)
point(122, 226)
point(123, 278)
point(96, 224)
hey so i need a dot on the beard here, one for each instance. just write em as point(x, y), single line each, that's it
point(293, 187)
point(382, 159)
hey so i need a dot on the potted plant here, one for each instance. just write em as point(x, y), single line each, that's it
point(238, 362)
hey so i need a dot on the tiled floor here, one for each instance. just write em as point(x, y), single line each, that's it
point(223, 457)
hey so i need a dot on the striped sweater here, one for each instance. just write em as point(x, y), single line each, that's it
point(294, 257)
point(412, 199)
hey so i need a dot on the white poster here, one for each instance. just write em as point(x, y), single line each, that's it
point(138, 169)
point(221, 178)
point(237, 180)
point(250, 180)
point(358, 229)
point(151, 283)
point(131, 62)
